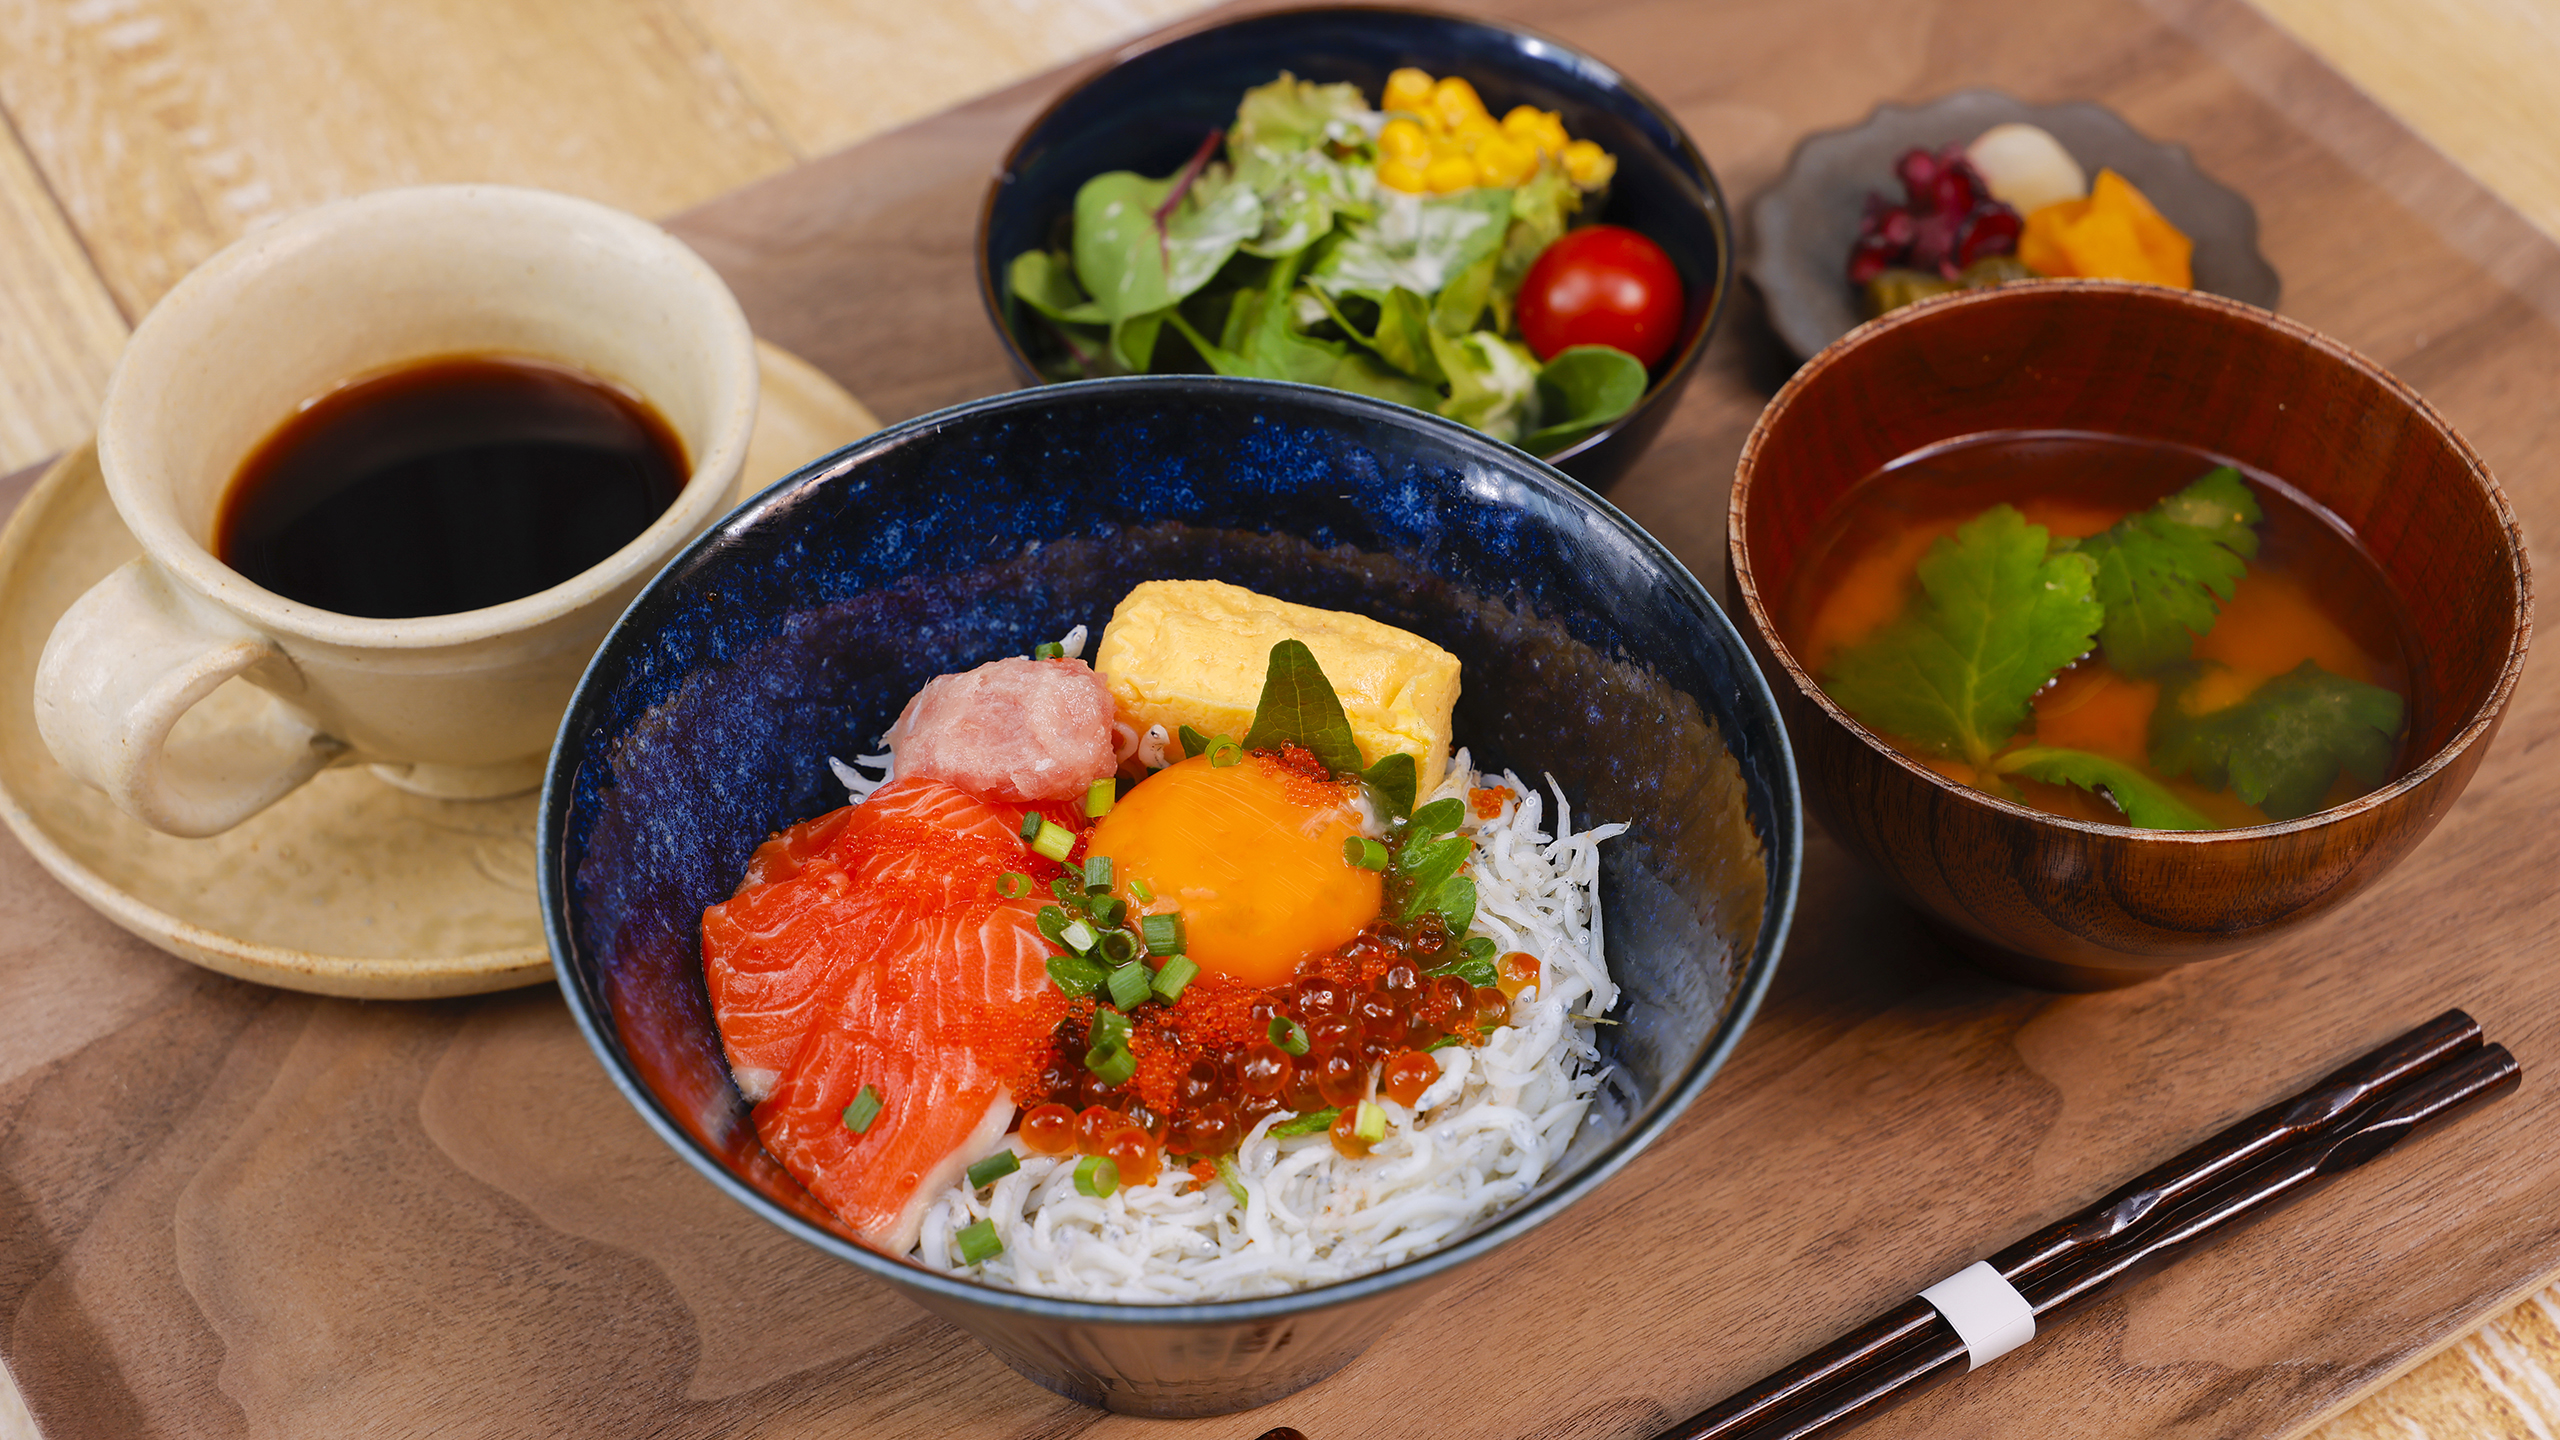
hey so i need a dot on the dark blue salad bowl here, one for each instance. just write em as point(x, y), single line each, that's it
point(796, 628)
point(1148, 108)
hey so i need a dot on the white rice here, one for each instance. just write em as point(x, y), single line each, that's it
point(1474, 1143)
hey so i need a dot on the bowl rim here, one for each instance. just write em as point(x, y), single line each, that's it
point(1784, 852)
point(2481, 719)
point(1707, 191)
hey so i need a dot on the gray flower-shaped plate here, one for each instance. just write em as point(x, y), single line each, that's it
point(1801, 229)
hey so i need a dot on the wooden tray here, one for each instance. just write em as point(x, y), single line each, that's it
point(230, 1210)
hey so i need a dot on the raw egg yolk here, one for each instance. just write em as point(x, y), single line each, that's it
point(1251, 854)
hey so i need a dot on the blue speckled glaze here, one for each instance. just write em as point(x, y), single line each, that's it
point(1148, 111)
point(798, 627)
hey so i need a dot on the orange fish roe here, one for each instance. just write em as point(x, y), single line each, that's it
point(1207, 1068)
point(1487, 801)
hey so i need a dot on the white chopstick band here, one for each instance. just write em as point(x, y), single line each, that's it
point(1988, 1313)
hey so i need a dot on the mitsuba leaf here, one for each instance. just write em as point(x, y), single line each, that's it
point(1997, 616)
point(1132, 264)
point(1393, 782)
point(1299, 707)
point(2145, 802)
point(1580, 390)
point(1416, 241)
point(2163, 573)
point(2283, 747)
point(1193, 741)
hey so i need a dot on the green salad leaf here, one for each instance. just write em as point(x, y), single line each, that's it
point(1419, 242)
point(2163, 572)
point(2145, 801)
point(1045, 282)
point(1541, 207)
point(1131, 262)
point(1289, 116)
point(2284, 746)
point(1580, 390)
point(1493, 382)
point(1997, 616)
point(1298, 706)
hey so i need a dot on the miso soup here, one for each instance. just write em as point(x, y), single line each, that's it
point(2111, 630)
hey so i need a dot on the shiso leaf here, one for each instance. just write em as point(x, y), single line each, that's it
point(2164, 572)
point(1997, 617)
point(2283, 747)
point(1299, 707)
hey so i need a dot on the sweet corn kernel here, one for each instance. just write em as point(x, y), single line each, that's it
point(1408, 89)
point(1538, 129)
point(1450, 173)
point(1405, 175)
point(1501, 160)
point(1402, 139)
point(1473, 131)
point(1445, 146)
point(1454, 100)
point(1588, 165)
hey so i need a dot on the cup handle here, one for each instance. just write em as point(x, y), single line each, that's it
point(124, 663)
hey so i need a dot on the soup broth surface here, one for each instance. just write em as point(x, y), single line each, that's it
point(2310, 593)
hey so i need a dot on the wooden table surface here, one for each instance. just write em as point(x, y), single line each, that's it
point(141, 135)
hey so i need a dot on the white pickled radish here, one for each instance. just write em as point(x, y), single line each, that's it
point(2026, 168)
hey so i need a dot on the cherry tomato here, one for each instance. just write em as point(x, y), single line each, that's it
point(1601, 285)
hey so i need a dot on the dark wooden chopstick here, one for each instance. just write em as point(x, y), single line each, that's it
point(1907, 1346)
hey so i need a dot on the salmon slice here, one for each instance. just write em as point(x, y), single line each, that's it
point(839, 887)
point(950, 1006)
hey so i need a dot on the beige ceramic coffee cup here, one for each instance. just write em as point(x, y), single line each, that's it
point(460, 705)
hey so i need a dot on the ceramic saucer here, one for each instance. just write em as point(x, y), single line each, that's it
point(347, 886)
point(1803, 226)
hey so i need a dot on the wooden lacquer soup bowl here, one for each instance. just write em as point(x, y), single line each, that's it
point(2074, 905)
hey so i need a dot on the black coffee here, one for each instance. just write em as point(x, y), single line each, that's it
point(448, 485)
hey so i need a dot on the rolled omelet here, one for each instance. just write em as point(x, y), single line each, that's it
point(1195, 652)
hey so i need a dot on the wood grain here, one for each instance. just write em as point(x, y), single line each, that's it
point(99, 1276)
point(59, 330)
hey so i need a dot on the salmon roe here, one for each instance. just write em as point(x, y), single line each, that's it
point(1208, 1067)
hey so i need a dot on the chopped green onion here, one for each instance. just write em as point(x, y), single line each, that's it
point(1097, 874)
point(1163, 933)
point(1097, 1176)
point(1131, 983)
point(1146, 893)
point(1443, 1043)
point(1050, 651)
point(1054, 840)
point(1053, 924)
point(1110, 1028)
point(1078, 937)
point(1439, 817)
point(1098, 798)
point(1478, 947)
point(1224, 752)
point(1119, 947)
point(1112, 1066)
point(1288, 1034)
point(864, 1109)
point(992, 1169)
point(1173, 976)
point(1364, 852)
point(1234, 1177)
point(1107, 910)
point(1031, 824)
point(978, 1242)
point(1013, 885)
point(1307, 1124)
point(1074, 976)
point(1372, 1122)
